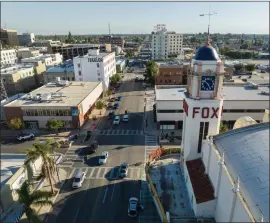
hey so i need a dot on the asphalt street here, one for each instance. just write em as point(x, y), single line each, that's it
point(104, 197)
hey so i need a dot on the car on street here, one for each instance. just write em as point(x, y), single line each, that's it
point(78, 179)
point(125, 118)
point(118, 98)
point(109, 106)
point(88, 150)
point(116, 106)
point(111, 100)
point(111, 115)
point(137, 79)
point(123, 170)
point(132, 207)
point(25, 136)
point(116, 120)
point(103, 158)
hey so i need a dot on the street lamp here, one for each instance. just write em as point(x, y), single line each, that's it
point(209, 19)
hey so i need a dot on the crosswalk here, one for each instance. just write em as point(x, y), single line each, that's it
point(151, 144)
point(150, 101)
point(109, 173)
point(119, 132)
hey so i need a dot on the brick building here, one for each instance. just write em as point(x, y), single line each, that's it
point(172, 73)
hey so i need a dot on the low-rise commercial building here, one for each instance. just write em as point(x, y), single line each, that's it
point(9, 37)
point(70, 102)
point(26, 39)
point(95, 66)
point(27, 53)
point(120, 65)
point(113, 40)
point(8, 57)
point(69, 51)
point(48, 59)
point(172, 73)
point(18, 79)
point(239, 101)
point(64, 71)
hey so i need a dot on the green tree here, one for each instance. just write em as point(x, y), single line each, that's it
point(130, 53)
point(151, 71)
point(33, 198)
point(54, 124)
point(108, 93)
point(43, 150)
point(16, 123)
point(250, 67)
point(223, 128)
point(100, 105)
point(238, 66)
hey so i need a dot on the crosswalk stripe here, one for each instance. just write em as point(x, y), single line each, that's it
point(91, 174)
point(98, 171)
point(71, 174)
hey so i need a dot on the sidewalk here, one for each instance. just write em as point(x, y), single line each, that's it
point(151, 128)
point(17, 208)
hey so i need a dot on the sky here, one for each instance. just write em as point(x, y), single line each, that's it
point(50, 18)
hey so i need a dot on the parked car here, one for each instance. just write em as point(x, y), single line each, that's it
point(111, 99)
point(103, 158)
point(125, 118)
point(123, 170)
point(111, 115)
point(25, 136)
point(109, 106)
point(78, 179)
point(132, 207)
point(116, 120)
point(116, 106)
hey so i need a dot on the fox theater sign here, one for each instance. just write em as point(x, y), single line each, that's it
point(205, 112)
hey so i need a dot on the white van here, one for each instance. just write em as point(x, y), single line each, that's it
point(125, 118)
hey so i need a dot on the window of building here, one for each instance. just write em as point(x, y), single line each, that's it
point(97, 64)
point(170, 111)
point(79, 65)
point(73, 78)
point(80, 73)
point(99, 79)
point(204, 126)
point(52, 112)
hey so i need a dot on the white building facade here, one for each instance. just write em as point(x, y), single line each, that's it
point(8, 57)
point(166, 43)
point(95, 66)
point(217, 183)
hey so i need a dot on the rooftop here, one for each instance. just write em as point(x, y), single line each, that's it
point(10, 163)
point(175, 64)
point(201, 183)
point(61, 69)
point(70, 95)
point(246, 153)
point(100, 55)
point(120, 61)
point(15, 68)
point(231, 93)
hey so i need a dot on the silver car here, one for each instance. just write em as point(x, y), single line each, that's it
point(123, 170)
point(132, 207)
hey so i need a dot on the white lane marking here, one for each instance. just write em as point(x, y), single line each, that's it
point(99, 170)
point(91, 174)
point(71, 174)
point(106, 190)
point(138, 173)
point(112, 192)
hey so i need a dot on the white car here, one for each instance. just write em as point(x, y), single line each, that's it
point(25, 136)
point(103, 158)
point(78, 179)
point(125, 118)
point(132, 207)
point(116, 120)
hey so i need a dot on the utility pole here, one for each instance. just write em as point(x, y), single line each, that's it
point(209, 20)
point(109, 28)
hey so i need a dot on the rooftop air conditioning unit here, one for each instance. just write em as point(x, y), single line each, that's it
point(46, 97)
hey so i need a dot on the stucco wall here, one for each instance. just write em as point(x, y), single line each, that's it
point(213, 169)
point(225, 199)
point(91, 98)
point(42, 120)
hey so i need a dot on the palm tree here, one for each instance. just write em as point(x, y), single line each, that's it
point(43, 150)
point(30, 199)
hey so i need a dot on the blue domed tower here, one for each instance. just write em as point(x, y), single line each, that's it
point(203, 101)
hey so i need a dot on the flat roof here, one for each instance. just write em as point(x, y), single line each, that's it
point(15, 68)
point(101, 54)
point(60, 69)
point(231, 93)
point(10, 163)
point(72, 95)
point(246, 154)
point(120, 61)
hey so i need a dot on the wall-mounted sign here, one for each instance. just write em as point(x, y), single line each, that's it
point(95, 59)
point(74, 111)
point(206, 112)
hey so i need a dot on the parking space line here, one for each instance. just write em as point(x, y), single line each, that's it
point(91, 174)
point(99, 170)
